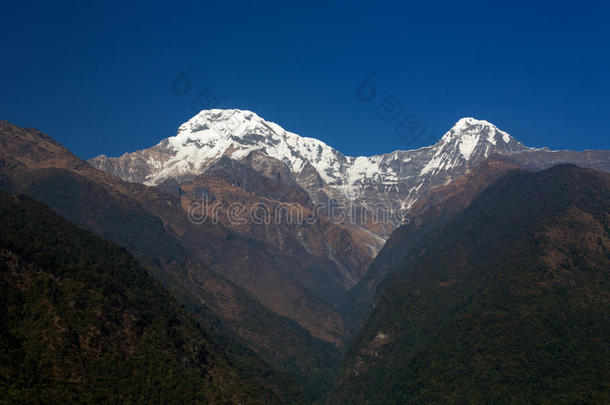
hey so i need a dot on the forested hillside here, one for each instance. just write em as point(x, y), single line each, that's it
point(508, 304)
point(84, 322)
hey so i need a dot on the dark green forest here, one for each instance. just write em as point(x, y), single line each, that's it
point(84, 322)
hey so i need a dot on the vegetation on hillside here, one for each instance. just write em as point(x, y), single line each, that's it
point(185, 258)
point(84, 322)
point(510, 304)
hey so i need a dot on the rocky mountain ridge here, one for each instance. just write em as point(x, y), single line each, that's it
point(373, 192)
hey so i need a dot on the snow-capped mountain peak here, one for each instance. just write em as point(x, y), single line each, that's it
point(232, 122)
point(470, 134)
point(236, 133)
point(469, 140)
point(466, 122)
point(469, 127)
point(396, 177)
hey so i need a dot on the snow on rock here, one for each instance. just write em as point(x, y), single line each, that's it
point(467, 145)
point(213, 133)
point(396, 177)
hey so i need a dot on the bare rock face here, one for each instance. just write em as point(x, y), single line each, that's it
point(310, 262)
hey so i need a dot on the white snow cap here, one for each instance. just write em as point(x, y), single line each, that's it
point(235, 133)
point(468, 132)
point(468, 121)
point(212, 133)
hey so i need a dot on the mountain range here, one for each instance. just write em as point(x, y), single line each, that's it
point(390, 183)
point(281, 244)
point(364, 199)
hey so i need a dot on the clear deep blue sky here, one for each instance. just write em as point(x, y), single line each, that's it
point(99, 78)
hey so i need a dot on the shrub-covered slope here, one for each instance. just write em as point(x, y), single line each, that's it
point(82, 321)
point(508, 304)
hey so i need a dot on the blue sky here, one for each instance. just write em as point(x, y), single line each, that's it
point(99, 78)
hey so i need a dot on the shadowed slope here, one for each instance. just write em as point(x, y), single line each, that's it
point(509, 302)
point(83, 322)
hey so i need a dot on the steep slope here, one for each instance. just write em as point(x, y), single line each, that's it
point(372, 192)
point(431, 214)
point(319, 257)
point(508, 303)
point(83, 322)
point(154, 227)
